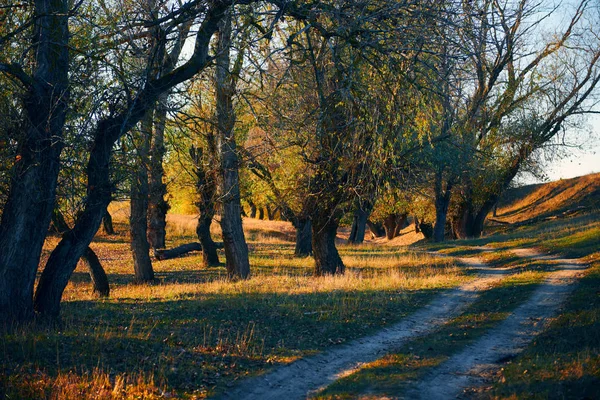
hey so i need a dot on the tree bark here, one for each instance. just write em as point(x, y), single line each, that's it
point(261, 213)
point(252, 209)
point(359, 223)
point(157, 190)
point(400, 224)
point(177, 251)
point(327, 258)
point(376, 229)
point(270, 212)
point(97, 273)
point(442, 202)
point(90, 259)
point(389, 224)
point(236, 249)
point(303, 238)
point(28, 210)
point(107, 224)
point(138, 220)
point(206, 188)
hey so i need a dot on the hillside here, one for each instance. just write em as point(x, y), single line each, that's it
point(550, 200)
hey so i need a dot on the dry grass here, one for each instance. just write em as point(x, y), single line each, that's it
point(196, 332)
point(552, 198)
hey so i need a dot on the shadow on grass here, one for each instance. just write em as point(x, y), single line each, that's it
point(202, 340)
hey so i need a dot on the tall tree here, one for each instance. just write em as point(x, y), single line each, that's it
point(28, 209)
point(236, 249)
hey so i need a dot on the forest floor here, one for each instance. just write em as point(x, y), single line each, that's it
point(486, 318)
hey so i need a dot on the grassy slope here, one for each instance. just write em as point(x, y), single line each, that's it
point(564, 362)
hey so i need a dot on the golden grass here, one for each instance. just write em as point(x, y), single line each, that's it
point(553, 197)
point(195, 331)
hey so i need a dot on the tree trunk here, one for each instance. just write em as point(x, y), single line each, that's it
point(107, 224)
point(157, 205)
point(303, 238)
point(463, 222)
point(376, 229)
point(327, 258)
point(177, 251)
point(97, 273)
point(417, 224)
point(138, 219)
point(426, 229)
point(63, 259)
point(400, 224)
point(27, 212)
point(359, 224)
point(389, 224)
point(261, 213)
point(271, 212)
point(252, 209)
point(206, 188)
point(70, 249)
point(236, 249)
point(442, 202)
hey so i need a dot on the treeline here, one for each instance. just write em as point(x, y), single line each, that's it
point(314, 110)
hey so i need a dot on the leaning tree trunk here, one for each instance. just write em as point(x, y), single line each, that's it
point(138, 219)
point(97, 273)
point(400, 224)
point(90, 259)
point(63, 259)
point(27, 212)
point(376, 229)
point(157, 189)
point(303, 238)
point(236, 249)
point(74, 243)
point(206, 188)
point(327, 258)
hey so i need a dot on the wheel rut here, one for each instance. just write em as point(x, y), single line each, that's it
point(299, 379)
point(466, 369)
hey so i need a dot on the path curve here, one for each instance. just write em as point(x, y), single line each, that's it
point(303, 377)
point(464, 370)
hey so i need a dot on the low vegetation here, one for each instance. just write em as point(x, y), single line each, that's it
point(196, 332)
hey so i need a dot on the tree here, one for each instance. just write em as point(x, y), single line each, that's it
point(28, 209)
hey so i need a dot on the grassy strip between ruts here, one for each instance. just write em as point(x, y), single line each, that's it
point(196, 333)
point(390, 375)
point(564, 361)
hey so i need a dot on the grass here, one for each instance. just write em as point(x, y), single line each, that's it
point(390, 375)
point(195, 333)
point(564, 361)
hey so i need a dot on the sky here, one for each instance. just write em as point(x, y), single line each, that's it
point(581, 161)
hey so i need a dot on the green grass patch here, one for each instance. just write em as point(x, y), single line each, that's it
point(390, 375)
point(564, 361)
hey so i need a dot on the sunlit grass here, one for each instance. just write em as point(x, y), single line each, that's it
point(195, 331)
